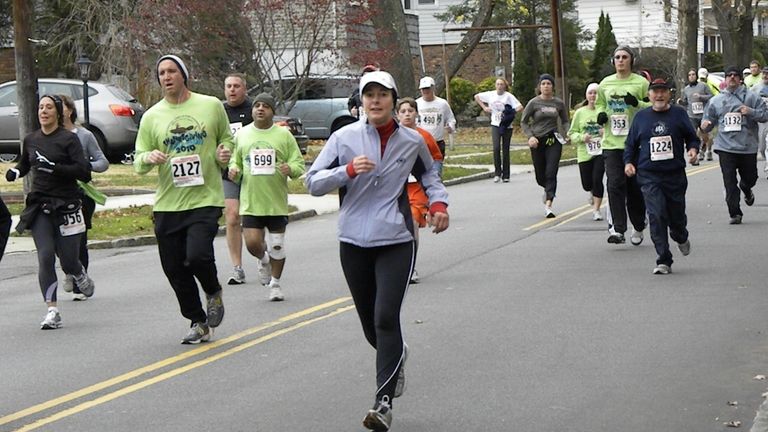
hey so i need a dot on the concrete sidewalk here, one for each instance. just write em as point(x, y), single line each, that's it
point(307, 206)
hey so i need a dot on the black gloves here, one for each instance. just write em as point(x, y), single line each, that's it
point(12, 174)
point(602, 118)
point(44, 164)
point(647, 99)
point(630, 100)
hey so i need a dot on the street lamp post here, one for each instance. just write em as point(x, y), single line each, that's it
point(84, 64)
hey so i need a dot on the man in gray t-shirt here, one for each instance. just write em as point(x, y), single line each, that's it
point(695, 96)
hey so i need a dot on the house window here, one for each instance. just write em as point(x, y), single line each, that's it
point(406, 4)
point(427, 2)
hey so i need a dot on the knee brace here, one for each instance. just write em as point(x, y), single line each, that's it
point(276, 248)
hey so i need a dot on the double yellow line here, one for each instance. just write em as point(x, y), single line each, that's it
point(578, 212)
point(341, 305)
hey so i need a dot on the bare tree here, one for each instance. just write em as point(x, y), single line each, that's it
point(392, 33)
point(26, 78)
point(687, 36)
point(734, 19)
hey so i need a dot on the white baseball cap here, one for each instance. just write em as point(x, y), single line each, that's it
point(426, 82)
point(703, 73)
point(378, 77)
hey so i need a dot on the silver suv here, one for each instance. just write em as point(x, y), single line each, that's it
point(321, 100)
point(114, 114)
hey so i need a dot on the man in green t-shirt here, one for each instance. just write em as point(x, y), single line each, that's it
point(619, 97)
point(186, 135)
point(265, 156)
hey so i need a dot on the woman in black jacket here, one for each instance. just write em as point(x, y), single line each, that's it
point(53, 207)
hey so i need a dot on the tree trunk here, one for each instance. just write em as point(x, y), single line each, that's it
point(735, 24)
point(392, 33)
point(26, 78)
point(466, 45)
point(687, 37)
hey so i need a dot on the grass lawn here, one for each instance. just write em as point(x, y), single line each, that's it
point(516, 156)
point(118, 176)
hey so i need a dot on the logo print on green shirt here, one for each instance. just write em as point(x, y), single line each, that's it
point(185, 135)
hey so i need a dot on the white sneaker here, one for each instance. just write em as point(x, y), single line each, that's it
point(238, 276)
point(548, 213)
point(68, 284)
point(415, 277)
point(275, 293)
point(496, 179)
point(662, 269)
point(52, 320)
point(265, 272)
point(636, 238)
point(79, 297)
point(596, 216)
point(591, 199)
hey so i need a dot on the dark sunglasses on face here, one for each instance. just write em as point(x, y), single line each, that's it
point(733, 74)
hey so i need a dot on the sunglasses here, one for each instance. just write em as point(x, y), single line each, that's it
point(733, 74)
point(621, 57)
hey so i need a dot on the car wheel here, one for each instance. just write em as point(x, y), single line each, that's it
point(8, 157)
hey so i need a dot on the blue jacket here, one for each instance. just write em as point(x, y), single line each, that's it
point(374, 208)
point(661, 127)
point(745, 140)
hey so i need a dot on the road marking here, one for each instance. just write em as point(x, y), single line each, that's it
point(166, 362)
point(580, 211)
point(178, 371)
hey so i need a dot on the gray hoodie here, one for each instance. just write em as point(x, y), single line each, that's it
point(722, 111)
point(695, 98)
point(374, 208)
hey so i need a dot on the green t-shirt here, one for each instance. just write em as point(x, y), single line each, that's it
point(189, 133)
point(584, 121)
point(258, 155)
point(750, 80)
point(610, 99)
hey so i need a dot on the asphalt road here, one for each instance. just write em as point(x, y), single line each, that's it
point(519, 324)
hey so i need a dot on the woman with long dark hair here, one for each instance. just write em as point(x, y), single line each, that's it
point(53, 209)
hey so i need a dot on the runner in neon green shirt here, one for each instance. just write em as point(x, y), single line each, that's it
point(619, 97)
point(586, 135)
point(265, 156)
point(187, 136)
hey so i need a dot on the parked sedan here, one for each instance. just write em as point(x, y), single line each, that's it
point(114, 114)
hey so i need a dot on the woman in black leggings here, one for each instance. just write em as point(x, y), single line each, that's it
point(370, 160)
point(53, 208)
point(5, 227)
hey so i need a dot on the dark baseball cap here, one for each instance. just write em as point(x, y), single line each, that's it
point(659, 83)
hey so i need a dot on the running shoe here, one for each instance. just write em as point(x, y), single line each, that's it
point(199, 332)
point(265, 272)
point(662, 269)
point(85, 284)
point(749, 197)
point(709, 155)
point(52, 320)
point(636, 238)
point(238, 276)
point(275, 293)
point(415, 277)
point(400, 386)
point(79, 297)
point(68, 284)
point(506, 180)
point(701, 156)
point(696, 162)
point(735, 220)
point(685, 247)
point(496, 179)
point(591, 199)
point(766, 168)
point(215, 309)
point(548, 213)
point(379, 418)
point(616, 238)
point(596, 216)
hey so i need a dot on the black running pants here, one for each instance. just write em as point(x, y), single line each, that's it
point(5, 227)
point(731, 164)
point(378, 280)
point(50, 243)
point(624, 195)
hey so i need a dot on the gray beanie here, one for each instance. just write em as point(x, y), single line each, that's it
point(178, 62)
point(265, 98)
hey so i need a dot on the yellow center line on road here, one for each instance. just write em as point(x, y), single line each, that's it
point(166, 362)
point(178, 371)
point(580, 211)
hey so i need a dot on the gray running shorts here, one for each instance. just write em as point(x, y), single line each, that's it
point(231, 190)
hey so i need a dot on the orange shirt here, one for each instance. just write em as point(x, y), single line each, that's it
point(416, 196)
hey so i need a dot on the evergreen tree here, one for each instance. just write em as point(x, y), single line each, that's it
point(605, 43)
point(526, 67)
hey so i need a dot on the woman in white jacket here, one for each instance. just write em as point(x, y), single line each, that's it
point(370, 161)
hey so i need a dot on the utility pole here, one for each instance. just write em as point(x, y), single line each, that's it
point(557, 51)
point(26, 77)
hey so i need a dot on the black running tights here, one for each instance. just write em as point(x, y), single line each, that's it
point(378, 279)
point(50, 243)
